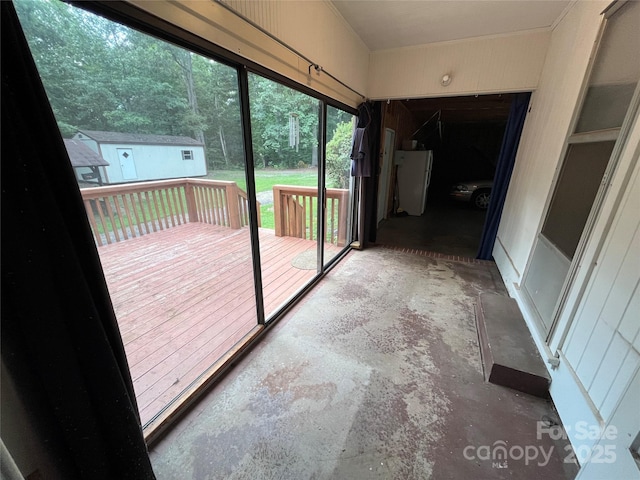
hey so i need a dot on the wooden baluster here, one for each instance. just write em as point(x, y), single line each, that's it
point(175, 196)
point(100, 202)
point(92, 220)
point(147, 209)
point(311, 235)
point(181, 197)
point(157, 202)
point(206, 204)
point(140, 208)
point(216, 206)
point(206, 212)
point(201, 205)
point(114, 225)
point(170, 207)
point(123, 226)
point(278, 214)
point(342, 217)
point(192, 209)
point(332, 238)
point(289, 216)
point(210, 196)
point(302, 216)
point(129, 218)
point(165, 208)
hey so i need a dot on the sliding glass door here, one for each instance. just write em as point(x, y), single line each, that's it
point(158, 146)
point(285, 129)
point(337, 182)
point(146, 145)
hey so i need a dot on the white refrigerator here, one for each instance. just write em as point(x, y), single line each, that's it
point(414, 176)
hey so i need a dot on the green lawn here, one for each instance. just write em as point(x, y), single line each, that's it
point(267, 178)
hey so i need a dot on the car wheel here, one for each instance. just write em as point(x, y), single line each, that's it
point(481, 199)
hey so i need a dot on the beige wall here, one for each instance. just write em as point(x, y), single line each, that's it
point(546, 127)
point(507, 63)
point(314, 28)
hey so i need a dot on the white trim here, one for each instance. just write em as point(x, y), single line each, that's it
point(616, 189)
point(610, 134)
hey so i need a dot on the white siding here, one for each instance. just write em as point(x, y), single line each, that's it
point(155, 162)
point(625, 423)
point(314, 28)
point(600, 345)
point(500, 64)
point(543, 137)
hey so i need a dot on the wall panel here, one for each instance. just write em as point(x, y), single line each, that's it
point(544, 133)
point(509, 63)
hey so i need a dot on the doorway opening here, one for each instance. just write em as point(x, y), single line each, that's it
point(464, 136)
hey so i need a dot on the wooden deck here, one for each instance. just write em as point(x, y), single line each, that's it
point(184, 296)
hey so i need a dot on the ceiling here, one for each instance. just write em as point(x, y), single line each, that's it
point(386, 24)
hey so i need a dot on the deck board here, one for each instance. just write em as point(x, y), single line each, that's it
point(184, 296)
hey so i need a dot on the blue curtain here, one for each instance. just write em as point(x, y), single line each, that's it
point(507, 158)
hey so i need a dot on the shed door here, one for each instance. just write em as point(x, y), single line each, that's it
point(127, 165)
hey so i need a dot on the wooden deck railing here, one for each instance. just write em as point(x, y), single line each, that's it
point(120, 212)
point(295, 213)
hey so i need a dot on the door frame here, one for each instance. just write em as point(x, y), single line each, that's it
point(385, 175)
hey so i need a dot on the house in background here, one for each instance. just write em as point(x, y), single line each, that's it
point(85, 162)
point(136, 157)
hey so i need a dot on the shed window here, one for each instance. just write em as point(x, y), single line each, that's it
point(187, 154)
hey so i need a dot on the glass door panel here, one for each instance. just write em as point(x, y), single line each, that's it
point(285, 130)
point(148, 128)
point(340, 125)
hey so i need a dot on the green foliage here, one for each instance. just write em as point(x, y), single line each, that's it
point(100, 75)
point(66, 130)
point(338, 155)
point(272, 105)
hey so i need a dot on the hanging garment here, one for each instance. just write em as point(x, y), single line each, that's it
point(360, 154)
point(361, 164)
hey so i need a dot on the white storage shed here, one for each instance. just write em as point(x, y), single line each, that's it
point(136, 157)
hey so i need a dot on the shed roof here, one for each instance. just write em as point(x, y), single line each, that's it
point(82, 156)
point(138, 138)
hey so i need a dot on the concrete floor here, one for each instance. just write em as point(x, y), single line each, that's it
point(376, 374)
point(445, 227)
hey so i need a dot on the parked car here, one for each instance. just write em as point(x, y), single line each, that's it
point(476, 192)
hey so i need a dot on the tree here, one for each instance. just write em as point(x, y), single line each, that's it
point(338, 156)
point(100, 75)
point(193, 119)
point(271, 106)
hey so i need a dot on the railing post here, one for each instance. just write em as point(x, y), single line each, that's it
point(342, 218)
point(192, 210)
point(232, 205)
point(278, 214)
